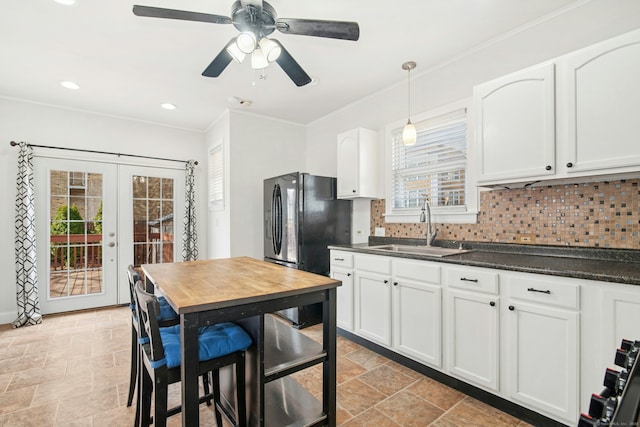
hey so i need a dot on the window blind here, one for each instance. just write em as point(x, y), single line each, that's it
point(216, 177)
point(433, 168)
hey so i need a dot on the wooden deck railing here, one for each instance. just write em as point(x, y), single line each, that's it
point(80, 251)
point(75, 251)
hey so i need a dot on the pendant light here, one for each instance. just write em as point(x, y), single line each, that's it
point(409, 134)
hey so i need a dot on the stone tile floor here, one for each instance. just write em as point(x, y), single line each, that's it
point(73, 370)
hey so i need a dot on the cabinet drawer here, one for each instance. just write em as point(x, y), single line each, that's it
point(474, 279)
point(373, 263)
point(547, 291)
point(423, 271)
point(342, 259)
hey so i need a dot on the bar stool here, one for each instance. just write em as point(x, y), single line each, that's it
point(220, 345)
point(168, 317)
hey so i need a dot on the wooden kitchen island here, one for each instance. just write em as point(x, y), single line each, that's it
point(245, 290)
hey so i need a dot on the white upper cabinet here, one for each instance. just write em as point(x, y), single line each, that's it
point(599, 94)
point(582, 122)
point(358, 164)
point(515, 125)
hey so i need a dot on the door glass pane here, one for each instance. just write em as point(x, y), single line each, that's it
point(75, 212)
point(153, 225)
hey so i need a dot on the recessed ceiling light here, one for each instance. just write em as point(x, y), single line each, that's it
point(168, 106)
point(70, 85)
point(66, 2)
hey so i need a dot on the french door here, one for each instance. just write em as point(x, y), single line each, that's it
point(92, 220)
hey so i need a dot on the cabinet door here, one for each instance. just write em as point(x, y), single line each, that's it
point(348, 164)
point(600, 88)
point(473, 337)
point(544, 360)
point(357, 164)
point(515, 125)
point(417, 320)
point(344, 297)
point(621, 318)
point(373, 307)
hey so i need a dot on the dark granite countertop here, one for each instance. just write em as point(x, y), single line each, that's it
point(607, 265)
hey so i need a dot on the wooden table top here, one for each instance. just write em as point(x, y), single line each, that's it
point(215, 283)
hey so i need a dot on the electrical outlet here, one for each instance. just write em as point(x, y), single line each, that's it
point(527, 238)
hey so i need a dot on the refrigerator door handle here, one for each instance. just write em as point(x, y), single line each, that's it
point(276, 223)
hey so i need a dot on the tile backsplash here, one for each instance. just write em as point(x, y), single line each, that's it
point(597, 214)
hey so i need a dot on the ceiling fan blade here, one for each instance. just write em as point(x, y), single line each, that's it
point(291, 67)
point(158, 12)
point(343, 30)
point(219, 63)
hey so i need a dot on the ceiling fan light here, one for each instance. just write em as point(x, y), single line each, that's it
point(409, 134)
point(235, 52)
point(246, 42)
point(258, 60)
point(270, 49)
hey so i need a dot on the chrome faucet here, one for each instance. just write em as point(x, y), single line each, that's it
point(430, 235)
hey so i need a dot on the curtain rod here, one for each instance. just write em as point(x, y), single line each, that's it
point(13, 144)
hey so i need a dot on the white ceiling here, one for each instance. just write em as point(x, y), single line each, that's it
point(127, 65)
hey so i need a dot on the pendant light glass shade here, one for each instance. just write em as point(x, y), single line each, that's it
point(235, 52)
point(246, 42)
point(258, 60)
point(270, 49)
point(409, 133)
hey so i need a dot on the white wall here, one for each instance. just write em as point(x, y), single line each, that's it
point(256, 148)
point(586, 24)
point(44, 125)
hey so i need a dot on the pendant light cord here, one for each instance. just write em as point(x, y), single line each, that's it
point(409, 93)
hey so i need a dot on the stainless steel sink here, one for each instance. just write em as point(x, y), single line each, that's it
point(420, 250)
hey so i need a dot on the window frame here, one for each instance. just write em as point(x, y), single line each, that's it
point(442, 214)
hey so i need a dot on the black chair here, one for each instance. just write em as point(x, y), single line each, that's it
point(168, 317)
point(220, 345)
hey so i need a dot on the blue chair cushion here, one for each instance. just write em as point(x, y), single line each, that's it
point(166, 312)
point(213, 341)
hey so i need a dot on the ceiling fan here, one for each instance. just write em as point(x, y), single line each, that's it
point(256, 19)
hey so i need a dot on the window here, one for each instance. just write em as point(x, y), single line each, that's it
point(435, 168)
point(216, 178)
point(77, 180)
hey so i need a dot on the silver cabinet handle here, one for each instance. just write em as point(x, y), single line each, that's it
point(111, 244)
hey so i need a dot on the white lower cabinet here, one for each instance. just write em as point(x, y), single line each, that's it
point(417, 318)
point(621, 311)
point(373, 298)
point(474, 337)
point(344, 297)
point(373, 307)
point(473, 318)
point(342, 269)
point(542, 344)
point(537, 340)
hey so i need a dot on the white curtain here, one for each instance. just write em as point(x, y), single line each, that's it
point(26, 272)
point(190, 237)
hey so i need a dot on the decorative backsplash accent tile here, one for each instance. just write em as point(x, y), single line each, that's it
point(597, 214)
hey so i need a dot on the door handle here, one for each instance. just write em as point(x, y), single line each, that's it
point(111, 244)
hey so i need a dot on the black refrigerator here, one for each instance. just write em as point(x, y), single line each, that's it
point(302, 216)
